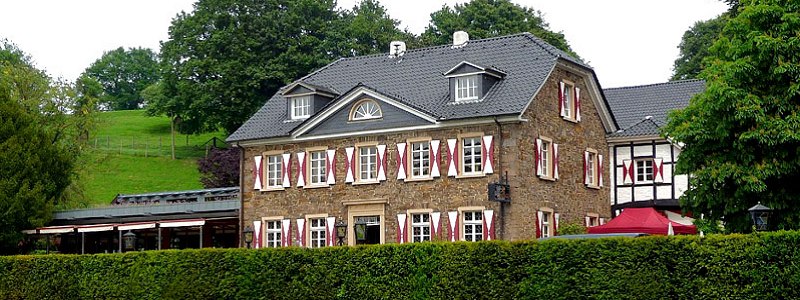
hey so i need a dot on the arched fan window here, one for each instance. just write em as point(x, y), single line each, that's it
point(365, 110)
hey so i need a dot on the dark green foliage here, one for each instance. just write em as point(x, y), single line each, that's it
point(571, 228)
point(694, 47)
point(759, 266)
point(124, 74)
point(742, 135)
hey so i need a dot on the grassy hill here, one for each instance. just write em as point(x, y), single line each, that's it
point(131, 154)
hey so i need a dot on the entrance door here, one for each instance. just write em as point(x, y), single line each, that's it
point(372, 232)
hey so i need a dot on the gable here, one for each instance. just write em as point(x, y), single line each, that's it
point(463, 68)
point(339, 122)
point(298, 90)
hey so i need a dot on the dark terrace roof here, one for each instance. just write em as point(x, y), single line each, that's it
point(631, 105)
point(417, 79)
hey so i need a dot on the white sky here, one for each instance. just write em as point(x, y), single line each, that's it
point(628, 42)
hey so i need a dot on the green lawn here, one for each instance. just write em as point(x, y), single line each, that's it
point(132, 155)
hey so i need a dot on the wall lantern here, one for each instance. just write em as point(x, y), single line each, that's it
point(341, 231)
point(361, 230)
point(760, 215)
point(129, 240)
point(248, 236)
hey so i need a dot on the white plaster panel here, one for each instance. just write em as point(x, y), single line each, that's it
point(623, 195)
point(645, 150)
point(611, 194)
point(663, 151)
point(664, 192)
point(623, 153)
point(619, 176)
point(681, 184)
point(643, 193)
point(667, 173)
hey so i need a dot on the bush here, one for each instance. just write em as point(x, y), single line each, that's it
point(684, 267)
point(571, 228)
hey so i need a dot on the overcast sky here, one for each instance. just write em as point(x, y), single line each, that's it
point(628, 42)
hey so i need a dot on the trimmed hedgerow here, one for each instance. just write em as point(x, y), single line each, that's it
point(688, 267)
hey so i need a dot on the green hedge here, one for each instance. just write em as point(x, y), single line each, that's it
point(764, 266)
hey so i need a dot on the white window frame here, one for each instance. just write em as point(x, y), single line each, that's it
point(419, 159)
point(317, 232)
point(547, 158)
point(593, 168)
point(273, 232)
point(637, 172)
point(594, 219)
point(569, 100)
point(300, 107)
point(317, 167)
point(466, 88)
point(274, 170)
point(371, 163)
point(476, 225)
point(356, 114)
point(475, 156)
point(418, 228)
point(547, 223)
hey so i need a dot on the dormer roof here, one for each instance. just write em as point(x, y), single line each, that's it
point(299, 88)
point(468, 68)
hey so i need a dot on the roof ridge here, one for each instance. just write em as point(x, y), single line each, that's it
point(436, 46)
point(655, 84)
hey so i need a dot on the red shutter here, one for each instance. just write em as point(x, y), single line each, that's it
point(286, 233)
point(488, 154)
point(257, 173)
point(586, 167)
point(436, 225)
point(627, 171)
point(286, 170)
point(539, 216)
point(600, 171)
point(381, 162)
point(561, 99)
point(555, 160)
point(401, 229)
point(435, 157)
point(577, 104)
point(452, 157)
point(401, 161)
point(330, 236)
point(538, 157)
point(301, 231)
point(351, 164)
point(452, 221)
point(330, 166)
point(658, 170)
point(555, 224)
point(488, 225)
point(588, 221)
point(301, 169)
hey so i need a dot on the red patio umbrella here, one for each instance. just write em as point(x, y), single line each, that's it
point(642, 220)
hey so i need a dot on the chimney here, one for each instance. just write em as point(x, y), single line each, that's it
point(460, 38)
point(397, 48)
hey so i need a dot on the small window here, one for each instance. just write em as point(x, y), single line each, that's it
point(473, 226)
point(420, 227)
point(547, 221)
point(467, 88)
point(368, 163)
point(273, 233)
point(569, 100)
point(471, 156)
point(592, 178)
point(365, 110)
point(644, 170)
point(301, 107)
point(592, 220)
point(420, 160)
point(317, 167)
point(274, 171)
point(317, 230)
point(547, 158)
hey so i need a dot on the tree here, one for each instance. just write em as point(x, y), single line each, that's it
point(742, 135)
point(694, 47)
point(123, 75)
point(366, 29)
point(490, 18)
point(220, 168)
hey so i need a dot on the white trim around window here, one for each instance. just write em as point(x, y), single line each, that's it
point(367, 164)
point(300, 107)
point(420, 228)
point(316, 230)
point(466, 88)
point(316, 167)
point(273, 170)
point(471, 155)
point(273, 231)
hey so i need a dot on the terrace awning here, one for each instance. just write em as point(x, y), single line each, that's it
point(96, 228)
point(56, 229)
point(136, 226)
point(182, 223)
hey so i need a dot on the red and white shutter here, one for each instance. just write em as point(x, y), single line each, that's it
point(436, 224)
point(658, 170)
point(600, 170)
point(301, 231)
point(488, 154)
point(381, 162)
point(286, 233)
point(401, 229)
point(256, 234)
point(538, 158)
point(286, 169)
point(577, 104)
point(301, 169)
point(555, 161)
point(561, 102)
point(330, 166)
point(539, 216)
point(602, 221)
point(452, 221)
point(330, 236)
point(586, 168)
point(556, 216)
point(588, 221)
point(351, 164)
point(258, 183)
point(627, 171)
point(488, 225)
point(452, 157)
point(401, 161)
point(435, 156)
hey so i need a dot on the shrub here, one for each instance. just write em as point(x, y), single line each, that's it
point(571, 228)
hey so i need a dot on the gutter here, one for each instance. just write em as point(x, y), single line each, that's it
point(241, 195)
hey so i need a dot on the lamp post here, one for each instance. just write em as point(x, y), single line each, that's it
point(341, 231)
point(361, 230)
point(248, 236)
point(129, 240)
point(760, 215)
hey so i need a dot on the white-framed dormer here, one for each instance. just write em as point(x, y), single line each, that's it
point(300, 107)
point(470, 82)
point(304, 99)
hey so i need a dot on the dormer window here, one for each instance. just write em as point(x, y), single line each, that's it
point(467, 88)
point(365, 110)
point(300, 107)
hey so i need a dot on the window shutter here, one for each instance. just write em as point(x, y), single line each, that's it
point(555, 224)
point(330, 236)
point(539, 216)
point(555, 160)
point(538, 157)
point(586, 168)
point(401, 161)
point(286, 169)
point(351, 164)
point(286, 235)
point(382, 162)
point(452, 157)
point(301, 170)
point(600, 169)
point(401, 229)
point(658, 171)
point(256, 234)
point(436, 218)
point(577, 104)
point(488, 154)
point(627, 171)
point(301, 231)
point(488, 225)
point(452, 221)
point(602, 221)
point(588, 221)
point(330, 167)
point(561, 102)
point(257, 173)
point(435, 156)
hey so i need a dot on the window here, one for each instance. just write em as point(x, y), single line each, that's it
point(317, 230)
point(569, 100)
point(473, 226)
point(274, 172)
point(547, 221)
point(368, 163)
point(467, 88)
point(547, 158)
point(365, 110)
point(592, 176)
point(317, 167)
point(420, 227)
point(471, 156)
point(273, 233)
point(644, 170)
point(301, 107)
point(592, 220)
point(420, 159)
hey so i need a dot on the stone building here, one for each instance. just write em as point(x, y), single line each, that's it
point(407, 143)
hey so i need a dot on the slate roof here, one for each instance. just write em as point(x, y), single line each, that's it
point(417, 79)
point(632, 105)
